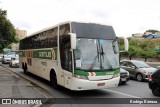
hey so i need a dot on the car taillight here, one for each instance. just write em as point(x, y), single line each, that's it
point(150, 78)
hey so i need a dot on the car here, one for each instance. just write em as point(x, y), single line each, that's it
point(14, 62)
point(154, 83)
point(6, 58)
point(124, 76)
point(1, 56)
point(137, 69)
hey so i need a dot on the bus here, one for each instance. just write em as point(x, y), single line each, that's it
point(75, 55)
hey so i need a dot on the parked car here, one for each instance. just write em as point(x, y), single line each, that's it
point(137, 69)
point(6, 58)
point(14, 62)
point(154, 83)
point(124, 76)
point(1, 56)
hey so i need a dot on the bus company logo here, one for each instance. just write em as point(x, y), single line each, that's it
point(29, 53)
point(109, 73)
point(92, 74)
point(6, 101)
point(45, 54)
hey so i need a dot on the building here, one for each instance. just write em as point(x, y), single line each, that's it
point(19, 34)
point(138, 36)
point(157, 33)
point(147, 33)
point(153, 36)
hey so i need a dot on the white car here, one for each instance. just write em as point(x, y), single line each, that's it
point(6, 58)
point(124, 76)
point(14, 62)
point(1, 56)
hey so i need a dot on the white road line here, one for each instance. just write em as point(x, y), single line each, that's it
point(122, 93)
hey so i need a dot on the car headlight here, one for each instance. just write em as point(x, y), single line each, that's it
point(13, 62)
point(146, 72)
point(81, 76)
point(127, 73)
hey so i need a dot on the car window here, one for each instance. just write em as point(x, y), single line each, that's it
point(124, 63)
point(129, 64)
point(141, 64)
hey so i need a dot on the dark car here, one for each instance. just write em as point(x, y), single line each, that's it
point(124, 76)
point(137, 69)
point(154, 83)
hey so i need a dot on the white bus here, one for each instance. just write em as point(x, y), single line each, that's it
point(75, 55)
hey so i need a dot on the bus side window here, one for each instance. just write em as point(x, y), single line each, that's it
point(65, 53)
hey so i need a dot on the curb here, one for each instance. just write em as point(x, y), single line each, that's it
point(32, 81)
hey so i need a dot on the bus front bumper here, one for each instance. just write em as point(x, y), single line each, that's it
point(81, 84)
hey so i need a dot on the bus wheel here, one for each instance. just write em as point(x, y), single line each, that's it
point(25, 69)
point(53, 79)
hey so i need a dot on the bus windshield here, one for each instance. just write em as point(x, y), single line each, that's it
point(96, 54)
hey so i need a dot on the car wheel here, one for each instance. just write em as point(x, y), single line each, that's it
point(156, 90)
point(139, 77)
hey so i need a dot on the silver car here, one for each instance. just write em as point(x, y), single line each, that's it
point(1, 56)
point(124, 76)
point(137, 69)
point(14, 62)
point(6, 58)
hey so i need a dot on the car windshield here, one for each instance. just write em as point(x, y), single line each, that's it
point(141, 64)
point(96, 54)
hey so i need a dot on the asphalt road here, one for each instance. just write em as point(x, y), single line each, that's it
point(132, 89)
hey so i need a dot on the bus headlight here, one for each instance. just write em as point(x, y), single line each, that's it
point(116, 75)
point(81, 76)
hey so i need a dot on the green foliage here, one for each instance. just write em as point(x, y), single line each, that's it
point(7, 31)
point(153, 31)
point(140, 48)
point(148, 53)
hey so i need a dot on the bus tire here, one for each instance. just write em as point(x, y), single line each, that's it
point(53, 80)
point(25, 69)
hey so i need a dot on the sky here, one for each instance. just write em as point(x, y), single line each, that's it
point(126, 16)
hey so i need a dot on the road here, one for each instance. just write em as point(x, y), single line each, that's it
point(132, 89)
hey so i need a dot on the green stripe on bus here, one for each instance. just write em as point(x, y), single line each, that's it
point(43, 54)
point(99, 73)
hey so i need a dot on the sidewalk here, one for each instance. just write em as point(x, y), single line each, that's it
point(12, 86)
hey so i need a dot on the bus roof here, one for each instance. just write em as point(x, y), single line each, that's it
point(69, 22)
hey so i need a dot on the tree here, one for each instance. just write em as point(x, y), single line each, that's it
point(140, 48)
point(148, 53)
point(153, 31)
point(148, 47)
point(133, 51)
point(3, 12)
point(7, 31)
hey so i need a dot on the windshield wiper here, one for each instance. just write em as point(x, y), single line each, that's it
point(102, 54)
point(97, 56)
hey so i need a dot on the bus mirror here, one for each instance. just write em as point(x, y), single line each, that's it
point(126, 45)
point(73, 40)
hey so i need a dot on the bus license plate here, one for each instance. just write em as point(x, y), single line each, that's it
point(100, 84)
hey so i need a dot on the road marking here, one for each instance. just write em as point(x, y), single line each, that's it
point(122, 93)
